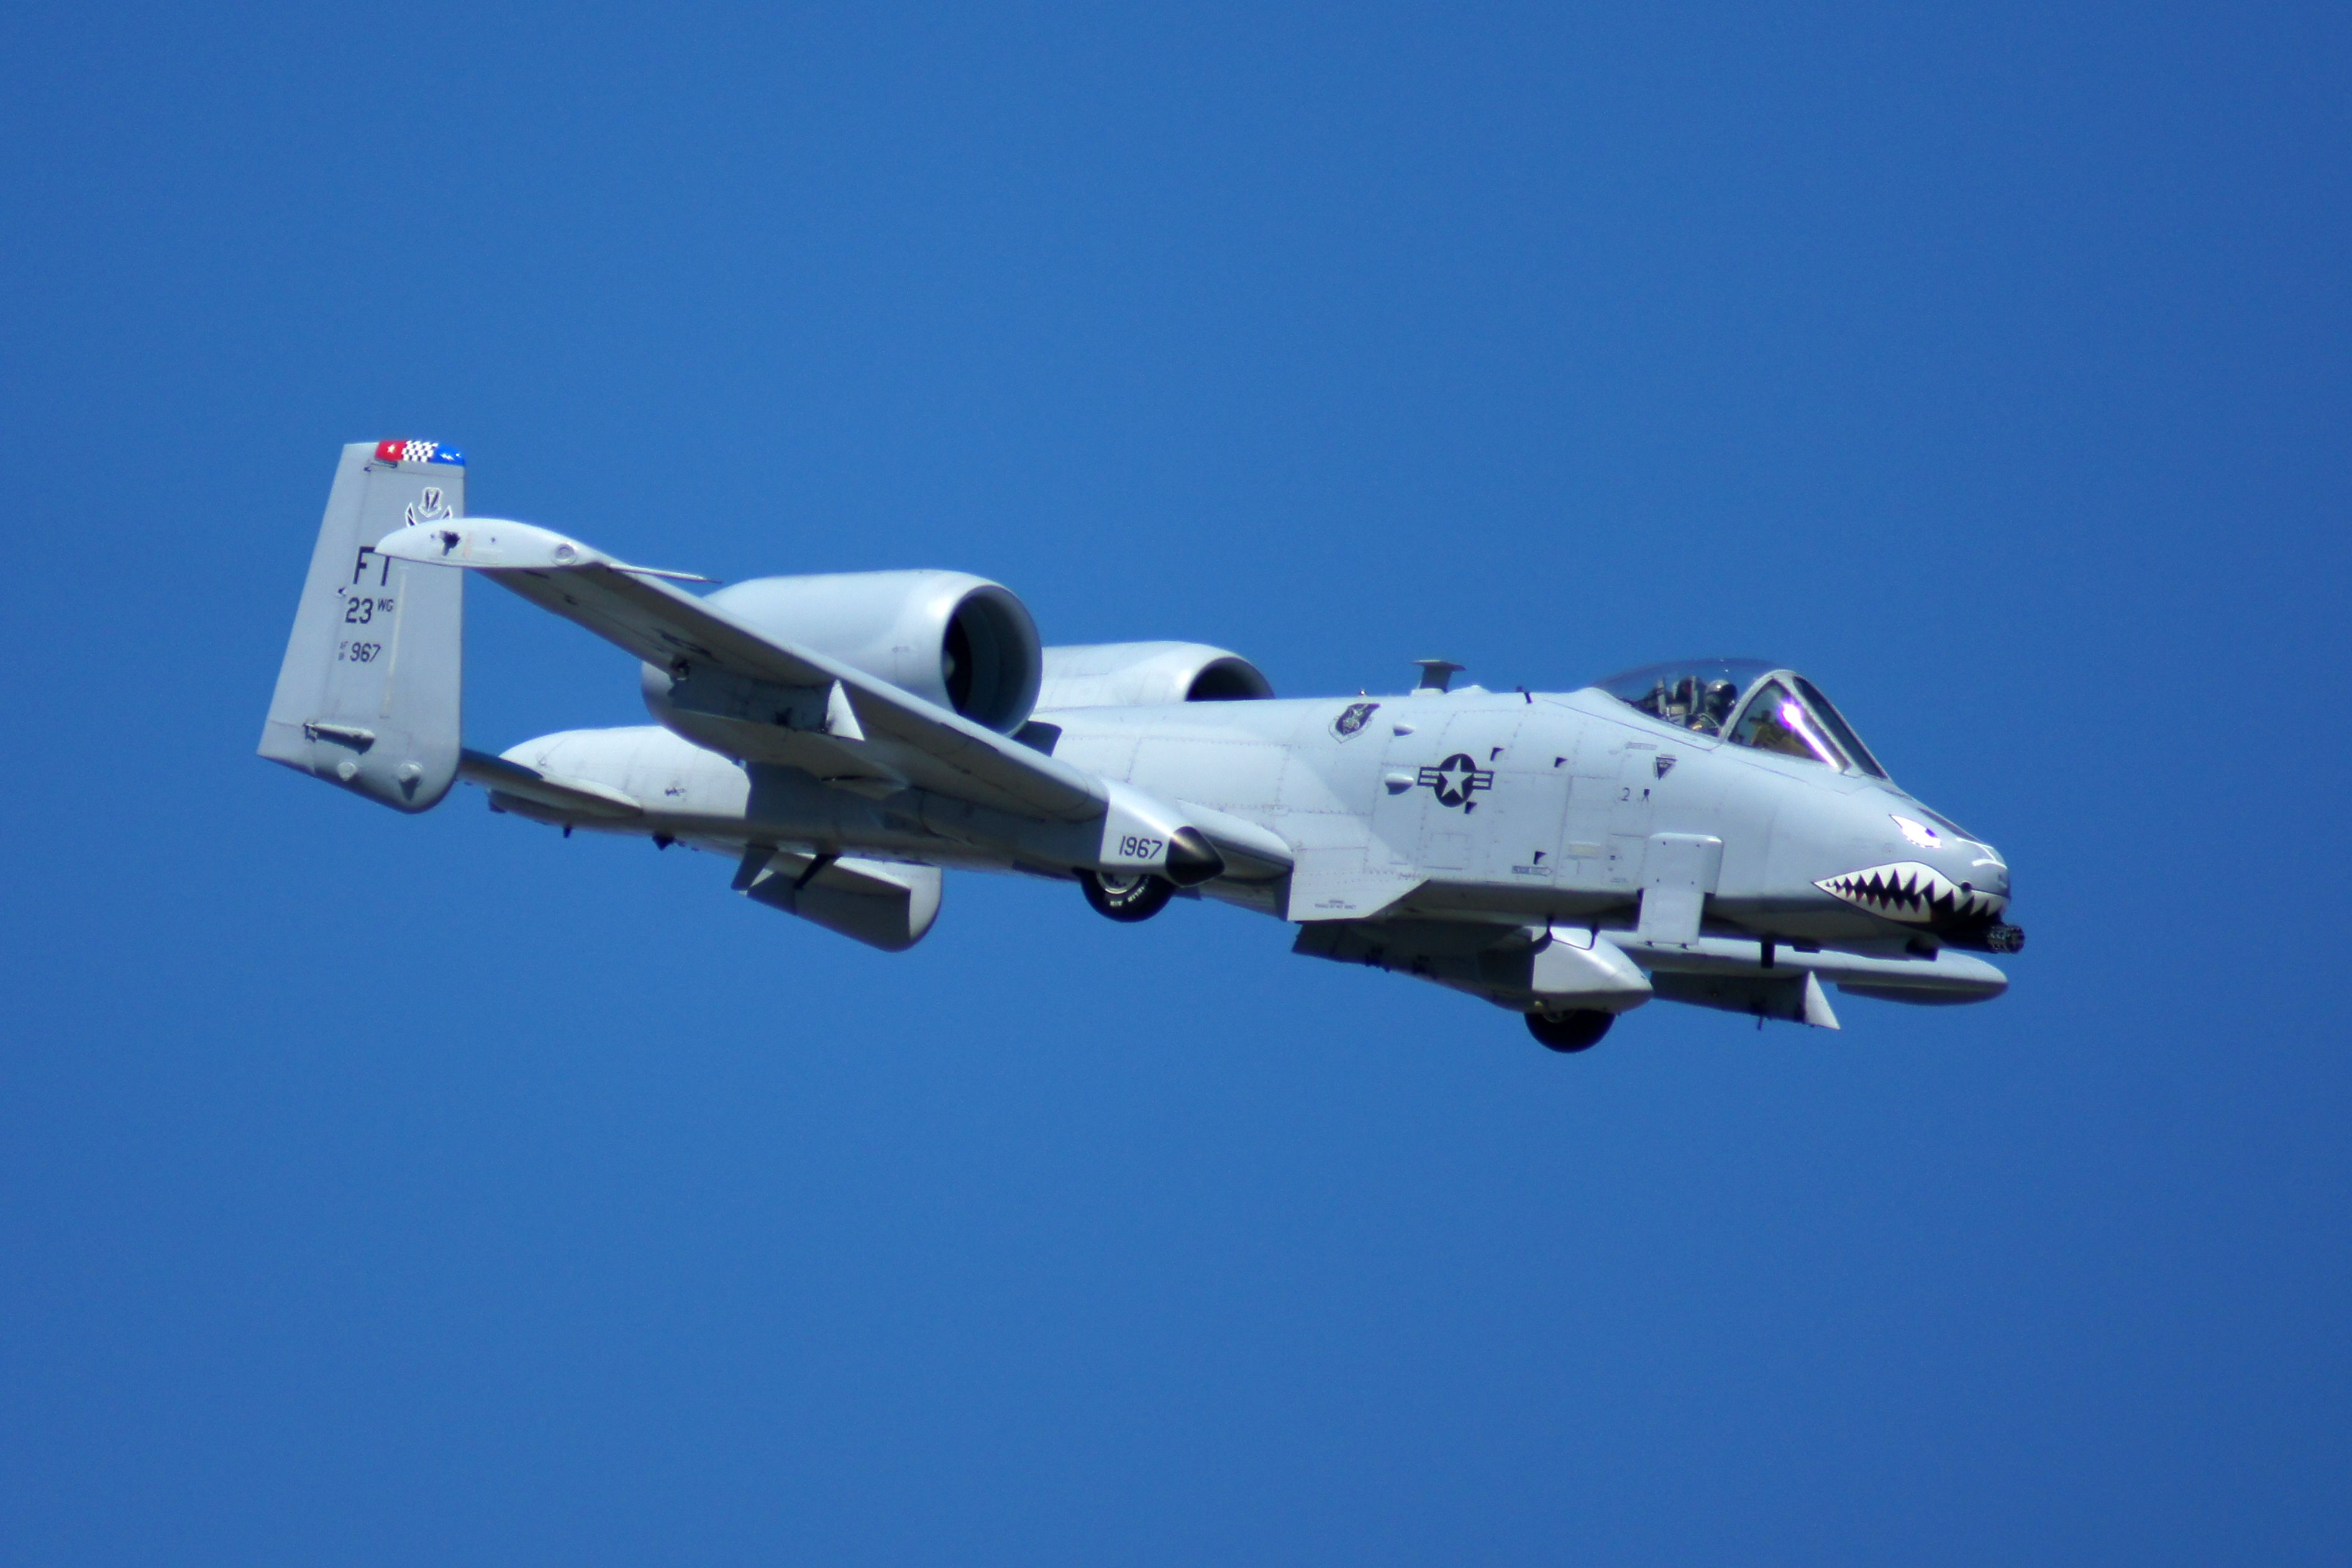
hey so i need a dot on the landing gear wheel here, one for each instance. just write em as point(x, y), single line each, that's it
point(1130, 897)
point(1569, 1031)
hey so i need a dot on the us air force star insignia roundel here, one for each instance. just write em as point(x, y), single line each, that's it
point(1456, 779)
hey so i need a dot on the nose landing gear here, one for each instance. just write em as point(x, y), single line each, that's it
point(1565, 1032)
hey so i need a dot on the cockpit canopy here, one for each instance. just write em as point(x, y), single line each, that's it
point(1750, 702)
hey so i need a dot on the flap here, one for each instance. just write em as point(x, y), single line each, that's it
point(887, 904)
point(502, 777)
point(1336, 885)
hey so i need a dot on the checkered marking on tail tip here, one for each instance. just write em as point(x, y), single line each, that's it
point(419, 452)
point(1912, 893)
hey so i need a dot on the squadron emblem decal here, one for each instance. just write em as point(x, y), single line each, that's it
point(429, 508)
point(1351, 724)
point(1456, 779)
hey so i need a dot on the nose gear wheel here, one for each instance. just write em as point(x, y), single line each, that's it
point(1578, 1031)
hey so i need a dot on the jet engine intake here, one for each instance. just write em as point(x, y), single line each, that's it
point(959, 641)
point(1146, 675)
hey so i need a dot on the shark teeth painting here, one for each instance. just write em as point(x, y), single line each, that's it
point(1913, 893)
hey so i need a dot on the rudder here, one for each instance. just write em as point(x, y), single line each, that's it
point(368, 696)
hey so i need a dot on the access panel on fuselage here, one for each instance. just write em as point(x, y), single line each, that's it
point(1516, 841)
point(1463, 799)
point(1607, 824)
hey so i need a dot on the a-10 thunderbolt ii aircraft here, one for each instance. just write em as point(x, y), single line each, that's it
point(1710, 832)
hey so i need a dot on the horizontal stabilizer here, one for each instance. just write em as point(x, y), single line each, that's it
point(497, 544)
point(637, 609)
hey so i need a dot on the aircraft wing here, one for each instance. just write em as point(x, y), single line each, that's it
point(861, 732)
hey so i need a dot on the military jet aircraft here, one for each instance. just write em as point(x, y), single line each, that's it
point(1711, 832)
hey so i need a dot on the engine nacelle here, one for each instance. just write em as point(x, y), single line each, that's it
point(961, 641)
point(1146, 674)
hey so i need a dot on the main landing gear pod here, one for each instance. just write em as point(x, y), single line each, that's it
point(1131, 896)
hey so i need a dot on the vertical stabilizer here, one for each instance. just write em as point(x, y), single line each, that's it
point(368, 695)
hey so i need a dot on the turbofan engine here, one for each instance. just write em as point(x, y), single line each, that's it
point(1147, 674)
point(959, 641)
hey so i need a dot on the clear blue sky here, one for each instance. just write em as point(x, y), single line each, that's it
point(379, 1190)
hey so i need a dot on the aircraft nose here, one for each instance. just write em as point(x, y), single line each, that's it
point(1988, 870)
point(1932, 877)
point(1970, 860)
point(1974, 862)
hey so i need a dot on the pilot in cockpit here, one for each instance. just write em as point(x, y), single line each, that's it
point(1694, 704)
point(1721, 697)
point(1785, 713)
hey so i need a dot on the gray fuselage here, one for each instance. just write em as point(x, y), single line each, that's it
point(1550, 823)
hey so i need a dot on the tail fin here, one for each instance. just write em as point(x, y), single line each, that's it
point(368, 695)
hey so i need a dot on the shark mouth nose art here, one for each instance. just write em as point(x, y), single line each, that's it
point(1915, 894)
